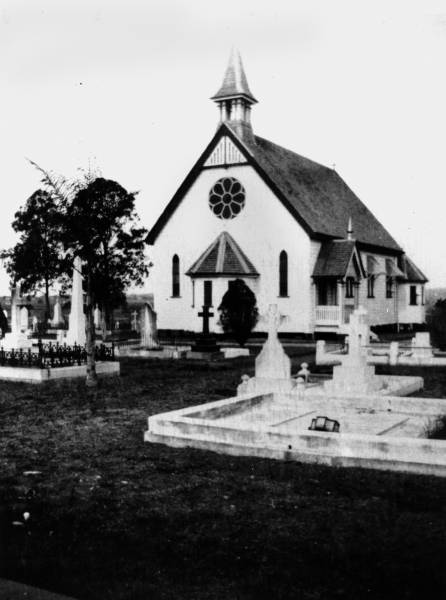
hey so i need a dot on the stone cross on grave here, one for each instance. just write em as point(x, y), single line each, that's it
point(273, 320)
point(206, 314)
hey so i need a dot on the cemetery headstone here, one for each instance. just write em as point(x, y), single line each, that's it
point(57, 314)
point(149, 332)
point(273, 362)
point(354, 375)
point(206, 342)
point(97, 317)
point(76, 328)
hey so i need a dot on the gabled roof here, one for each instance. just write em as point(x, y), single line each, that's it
point(413, 273)
point(234, 81)
point(319, 195)
point(223, 258)
point(334, 259)
point(315, 195)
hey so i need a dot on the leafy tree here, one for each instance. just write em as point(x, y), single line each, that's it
point(98, 223)
point(436, 322)
point(37, 258)
point(238, 311)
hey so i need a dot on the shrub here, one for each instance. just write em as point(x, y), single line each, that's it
point(238, 311)
point(437, 324)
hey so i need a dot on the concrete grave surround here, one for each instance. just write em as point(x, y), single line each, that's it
point(76, 328)
point(376, 432)
point(35, 375)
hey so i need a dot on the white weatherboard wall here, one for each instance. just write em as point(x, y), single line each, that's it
point(263, 229)
point(411, 313)
point(381, 310)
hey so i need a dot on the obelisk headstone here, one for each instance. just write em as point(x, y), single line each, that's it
point(76, 328)
point(149, 332)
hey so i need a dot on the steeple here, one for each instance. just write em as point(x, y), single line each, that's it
point(234, 98)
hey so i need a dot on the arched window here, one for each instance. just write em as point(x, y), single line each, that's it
point(175, 276)
point(283, 274)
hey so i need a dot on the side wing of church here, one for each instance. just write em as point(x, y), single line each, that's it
point(289, 227)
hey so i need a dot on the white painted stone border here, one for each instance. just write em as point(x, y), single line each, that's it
point(35, 375)
point(183, 428)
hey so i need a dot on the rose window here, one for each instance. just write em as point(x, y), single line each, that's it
point(227, 198)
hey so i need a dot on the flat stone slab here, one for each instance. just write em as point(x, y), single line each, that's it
point(382, 432)
point(12, 590)
point(35, 375)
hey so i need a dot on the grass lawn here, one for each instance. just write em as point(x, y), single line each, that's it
point(114, 518)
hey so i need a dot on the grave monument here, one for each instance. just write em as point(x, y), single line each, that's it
point(149, 332)
point(272, 366)
point(354, 375)
point(76, 328)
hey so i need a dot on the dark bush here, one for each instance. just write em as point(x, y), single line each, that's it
point(238, 311)
point(437, 324)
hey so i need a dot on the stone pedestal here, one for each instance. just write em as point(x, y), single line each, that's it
point(353, 379)
point(206, 344)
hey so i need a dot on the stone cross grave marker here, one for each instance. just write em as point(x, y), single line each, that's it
point(273, 362)
point(205, 314)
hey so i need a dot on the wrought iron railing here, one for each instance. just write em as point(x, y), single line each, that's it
point(53, 355)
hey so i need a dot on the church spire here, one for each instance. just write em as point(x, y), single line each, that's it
point(234, 97)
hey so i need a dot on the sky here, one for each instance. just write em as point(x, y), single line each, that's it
point(124, 86)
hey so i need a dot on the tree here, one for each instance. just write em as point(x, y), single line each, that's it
point(100, 225)
point(436, 322)
point(37, 258)
point(238, 311)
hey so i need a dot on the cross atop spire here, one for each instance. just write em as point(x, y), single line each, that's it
point(235, 99)
point(234, 83)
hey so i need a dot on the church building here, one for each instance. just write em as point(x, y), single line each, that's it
point(289, 227)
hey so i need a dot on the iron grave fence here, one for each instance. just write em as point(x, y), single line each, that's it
point(53, 355)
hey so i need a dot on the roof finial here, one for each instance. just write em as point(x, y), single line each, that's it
point(350, 229)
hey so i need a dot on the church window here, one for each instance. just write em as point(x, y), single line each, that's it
point(371, 286)
point(349, 287)
point(227, 198)
point(208, 293)
point(175, 276)
point(283, 274)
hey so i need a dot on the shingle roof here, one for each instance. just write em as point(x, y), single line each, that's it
point(319, 195)
point(223, 257)
point(413, 273)
point(234, 80)
point(334, 258)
